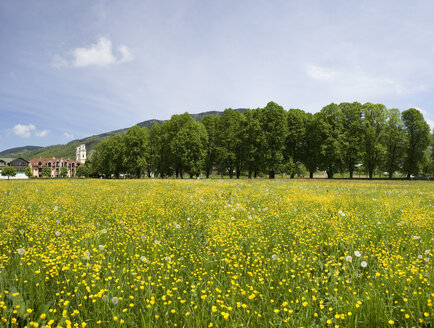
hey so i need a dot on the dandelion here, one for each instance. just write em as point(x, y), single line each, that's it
point(21, 251)
point(144, 259)
point(348, 258)
point(357, 253)
point(363, 264)
point(86, 256)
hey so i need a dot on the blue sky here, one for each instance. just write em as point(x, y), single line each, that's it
point(71, 69)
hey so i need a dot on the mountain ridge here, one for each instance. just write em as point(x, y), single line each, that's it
point(68, 150)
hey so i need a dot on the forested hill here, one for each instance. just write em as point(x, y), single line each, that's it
point(68, 150)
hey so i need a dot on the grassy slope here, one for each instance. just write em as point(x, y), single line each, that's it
point(68, 150)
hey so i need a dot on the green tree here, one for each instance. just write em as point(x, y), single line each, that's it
point(63, 172)
point(189, 146)
point(274, 127)
point(46, 172)
point(158, 162)
point(82, 171)
point(9, 171)
point(136, 150)
point(210, 123)
point(329, 125)
point(295, 140)
point(418, 138)
point(312, 144)
point(254, 142)
point(28, 172)
point(351, 137)
point(374, 118)
point(394, 141)
point(230, 142)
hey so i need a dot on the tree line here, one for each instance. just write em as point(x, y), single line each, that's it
point(341, 138)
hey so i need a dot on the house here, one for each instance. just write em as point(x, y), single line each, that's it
point(55, 165)
point(19, 164)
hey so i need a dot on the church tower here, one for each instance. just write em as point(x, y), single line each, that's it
point(80, 153)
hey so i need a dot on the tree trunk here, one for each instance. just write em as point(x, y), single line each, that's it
point(271, 175)
point(390, 175)
point(250, 174)
point(231, 173)
point(310, 174)
point(238, 174)
point(191, 176)
point(292, 175)
point(408, 176)
point(351, 174)
point(371, 174)
point(207, 174)
point(181, 174)
point(255, 175)
point(330, 174)
point(177, 173)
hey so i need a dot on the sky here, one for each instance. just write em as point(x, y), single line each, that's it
point(75, 68)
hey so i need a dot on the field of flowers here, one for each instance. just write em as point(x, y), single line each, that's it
point(216, 253)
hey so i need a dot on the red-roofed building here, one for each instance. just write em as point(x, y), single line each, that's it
point(55, 164)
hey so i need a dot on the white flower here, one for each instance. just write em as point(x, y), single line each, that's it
point(427, 251)
point(104, 230)
point(167, 258)
point(144, 259)
point(341, 213)
point(157, 242)
point(415, 237)
point(86, 256)
point(427, 259)
point(419, 257)
point(274, 256)
point(188, 219)
point(55, 208)
point(348, 258)
point(57, 233)
point(57, 221)
point(378, 222)
point(357, 253)
point(101, 247)
point(177, 226)
point(21, 231)
point(21, 251)
point(115, 300)
point(363, 264)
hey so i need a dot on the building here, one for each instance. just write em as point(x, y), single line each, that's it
point(19, 164)
point(55, 165)
point(80, 154)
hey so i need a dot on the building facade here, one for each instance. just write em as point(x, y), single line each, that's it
point(19, 164)
point(55, 165)
point(80, 154)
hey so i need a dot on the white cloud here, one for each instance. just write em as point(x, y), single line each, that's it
point(97, 54)
point(23, 131)
point(319, 73)
point(42, 133)
point(59, 62)
point(68, 135)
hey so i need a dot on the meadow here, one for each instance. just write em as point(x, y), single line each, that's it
point(216, 253)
